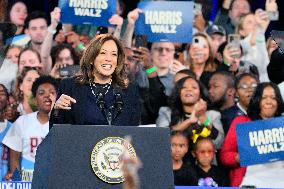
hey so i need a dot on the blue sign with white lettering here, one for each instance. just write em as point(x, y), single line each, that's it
point(261, 141)
point(15, 185)
point(96, 12)
point(166, 21)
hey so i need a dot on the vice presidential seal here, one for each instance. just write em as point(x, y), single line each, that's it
point(105, 158)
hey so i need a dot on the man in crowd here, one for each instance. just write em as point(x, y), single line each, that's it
point(230, 13)
point(222, 94)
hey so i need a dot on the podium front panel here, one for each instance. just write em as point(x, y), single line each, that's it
point(65, 155)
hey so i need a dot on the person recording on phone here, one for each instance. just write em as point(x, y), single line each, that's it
point(65, 60)
point(101, 94)
point(230, 60)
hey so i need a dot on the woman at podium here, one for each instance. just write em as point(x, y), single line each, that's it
point(101, 94)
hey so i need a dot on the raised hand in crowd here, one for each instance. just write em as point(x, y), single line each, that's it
point(116, 20)
point(64, 102)
point(133, 15)
point(199, 22)
point(231, 57)
point(48, 40)
point(176, 66)
point(55, 17)
point(131, 18)
point(142, 55)
point(271, 6)
point(262, 19)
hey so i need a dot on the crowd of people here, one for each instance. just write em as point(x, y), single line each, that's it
point(200, 91)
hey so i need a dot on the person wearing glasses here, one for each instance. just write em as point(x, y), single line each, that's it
point(265, 103)
point(245, 87)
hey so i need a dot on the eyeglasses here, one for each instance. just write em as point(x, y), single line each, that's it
point(245, 86)
point(161, 49)
point(203, 152)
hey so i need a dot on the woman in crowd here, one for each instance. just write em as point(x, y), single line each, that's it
point(188, 109)
point(17, 14)
point(23, 89)
point(12, 53)
point(62, 55)
point(201, 60)
point(102, 89)
point(264, 104)
point(29, 58)
point(245, 87)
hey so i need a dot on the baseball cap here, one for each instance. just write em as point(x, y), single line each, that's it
point(215, 29)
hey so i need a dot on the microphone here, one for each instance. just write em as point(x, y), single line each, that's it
point(118, 102)
point(101, 101)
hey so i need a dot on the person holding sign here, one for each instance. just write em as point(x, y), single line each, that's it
point(264, 104)
point(102, 94)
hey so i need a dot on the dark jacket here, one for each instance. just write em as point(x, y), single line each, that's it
point(129, 116)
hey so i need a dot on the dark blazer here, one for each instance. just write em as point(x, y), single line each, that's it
point(130, 115)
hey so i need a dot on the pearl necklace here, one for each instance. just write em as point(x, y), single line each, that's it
point(107, 87)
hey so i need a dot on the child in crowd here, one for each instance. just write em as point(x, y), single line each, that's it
point(29, 130)
point(184, 174)
point(207, 173)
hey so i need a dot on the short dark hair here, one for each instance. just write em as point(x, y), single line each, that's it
point(35, 15)
point(185, 134)
point(42, 80)
point(230, 79)
point(58, 48)
point(187, 72)
point(254, 108)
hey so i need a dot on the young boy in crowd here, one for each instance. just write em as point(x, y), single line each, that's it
point(29, 130)
point(207, 173)
point(184, 174)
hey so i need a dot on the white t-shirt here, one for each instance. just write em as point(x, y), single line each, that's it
point(25, 136)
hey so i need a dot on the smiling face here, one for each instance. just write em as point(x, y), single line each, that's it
point(106, 61)
point(190, 92)
point(268, 104)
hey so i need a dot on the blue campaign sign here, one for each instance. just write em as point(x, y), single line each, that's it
point(96, 12)
point(166, 21)
point(261, 141)
point(16, 185)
